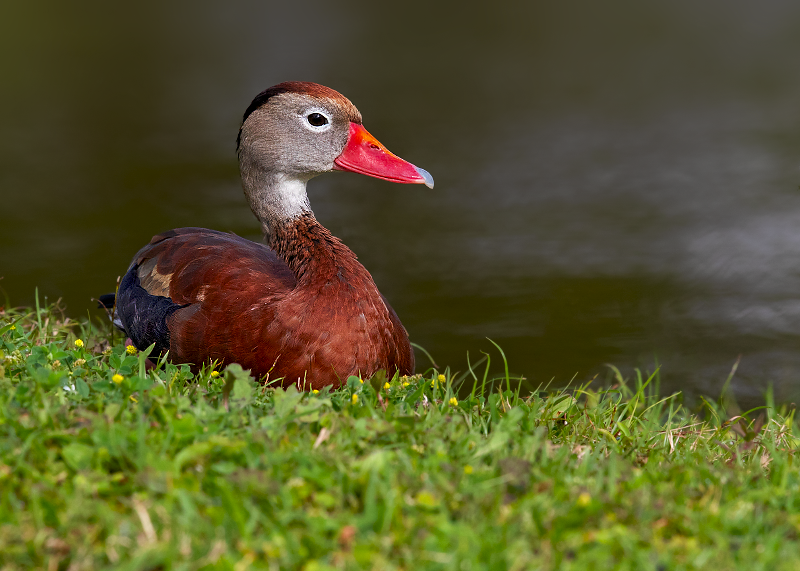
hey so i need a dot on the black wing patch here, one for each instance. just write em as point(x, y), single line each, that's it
point(144, 316)
point(106, 301)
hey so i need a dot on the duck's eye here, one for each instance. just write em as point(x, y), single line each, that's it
point(317, 119)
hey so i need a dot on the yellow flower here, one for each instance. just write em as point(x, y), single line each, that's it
point(360, 380)
point(118, 378)
point(584, 499)
point(79, 363)
point(468, 469)
point(214, 374)
point(133, 399)
point(78, 343)
point(130, 350)
point(14, 327)
point(441, 378)
point(405, 384)
point(454, 401)
point(387, 386)
point(355, 398)
point(314, 392)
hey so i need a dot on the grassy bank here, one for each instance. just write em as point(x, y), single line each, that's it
point(105, 465)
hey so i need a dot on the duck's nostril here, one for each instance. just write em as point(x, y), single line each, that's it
point(374, 146)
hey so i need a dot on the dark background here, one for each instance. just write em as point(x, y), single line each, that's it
point(616, 182)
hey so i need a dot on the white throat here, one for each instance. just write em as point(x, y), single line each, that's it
point(290, 195)
point(278, 199)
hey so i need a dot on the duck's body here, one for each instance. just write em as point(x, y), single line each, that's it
point(302, 308)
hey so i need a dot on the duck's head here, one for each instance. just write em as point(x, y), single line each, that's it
point(295, 131)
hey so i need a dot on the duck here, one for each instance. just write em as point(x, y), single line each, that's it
point(298, 309)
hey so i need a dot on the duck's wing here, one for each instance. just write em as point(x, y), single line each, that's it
point(185, 288)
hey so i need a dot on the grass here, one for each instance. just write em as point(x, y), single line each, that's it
point(106, 465)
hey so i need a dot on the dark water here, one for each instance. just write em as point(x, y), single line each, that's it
point(615, 182)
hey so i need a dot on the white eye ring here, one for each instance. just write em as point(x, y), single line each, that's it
point(316, 119)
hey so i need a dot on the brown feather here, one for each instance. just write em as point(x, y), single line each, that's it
point(247, 306)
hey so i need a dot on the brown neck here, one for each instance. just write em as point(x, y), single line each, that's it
point(316, 256)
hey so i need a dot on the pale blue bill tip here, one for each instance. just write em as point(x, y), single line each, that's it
point(426, 176)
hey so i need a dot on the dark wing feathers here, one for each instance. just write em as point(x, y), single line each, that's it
point(143, 315)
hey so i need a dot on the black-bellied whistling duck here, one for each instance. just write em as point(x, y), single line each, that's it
point(303, 308)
